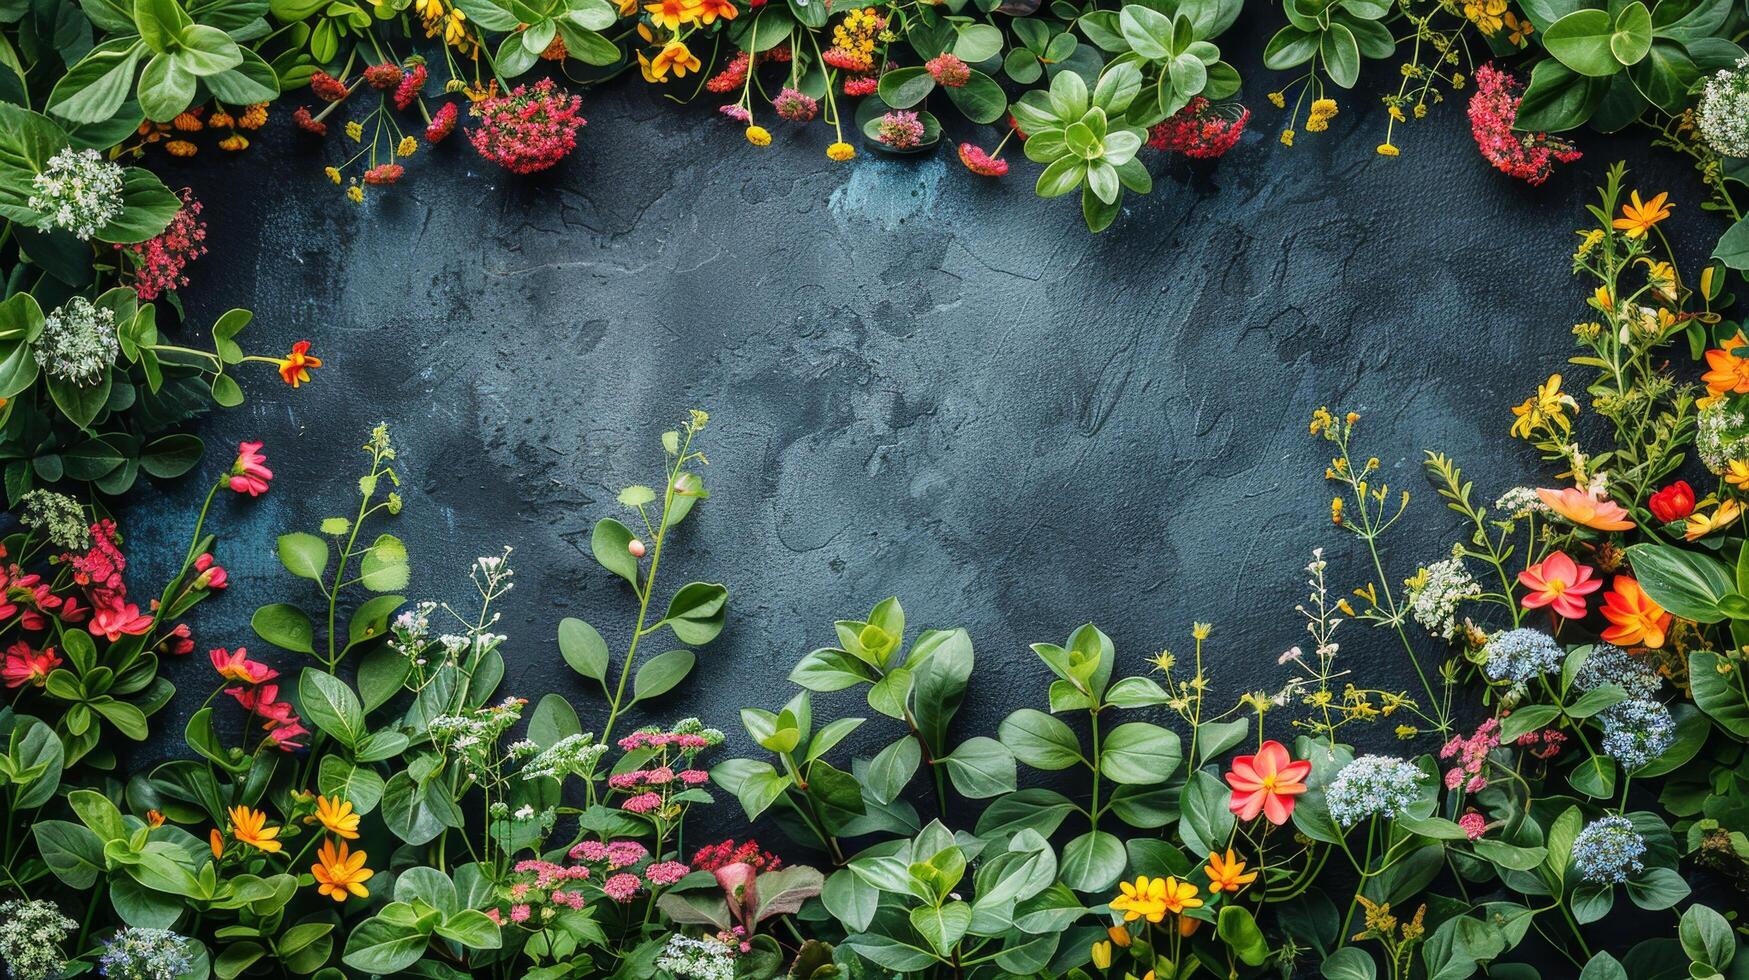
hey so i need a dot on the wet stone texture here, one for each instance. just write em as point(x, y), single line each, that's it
point(921, 383)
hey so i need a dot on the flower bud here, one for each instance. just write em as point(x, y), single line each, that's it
point(636, 547)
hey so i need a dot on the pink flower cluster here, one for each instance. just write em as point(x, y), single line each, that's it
point(727, 852)
point(900, 130)
point(1473, 824)
point(795, 106)
point(1471, 755)
point(442, 124)
point(1544, 744)
point(531, 129)
point(622, 887)
point(980, 162)
point(1531, 157)
point(410, 86)
point(666, 872)
point(99, 572)
point(658, 739)
point(1201, 130)
point(948, 70)
point(547, 874)
point(259, 698)
point(617, 854)
point(159, 262)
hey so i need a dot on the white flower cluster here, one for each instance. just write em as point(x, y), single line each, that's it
point(78, 342)
point(478, 729)
point(573, 755)
point(1723, 112)
point(79, 191)
point(1721, 434)
point(31, 933)
point(1373, 786)
point(1522, 502)
point(1521, 654)
point(1434, 599)
point(59, 516)
point(697, 959)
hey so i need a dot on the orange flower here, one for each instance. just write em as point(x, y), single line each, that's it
point(295, 367)
point(154, 819)
point(1634, 619)
point(671, 13)
point(217, 842)
point(1638, 217)
point(250, 827)
point(1586, 510)
point(1227, 875)
point(1181, 895)
point(710, 10)
point(336, 817)
point(1267, 783)
point(675, 56)
point(340, 873)
point(1119, 936)
point(1729, 373)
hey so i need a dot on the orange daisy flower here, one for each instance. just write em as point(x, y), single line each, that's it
point(1634, 619)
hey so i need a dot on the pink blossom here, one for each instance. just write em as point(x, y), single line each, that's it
point(1531, 157)
point(622, 887)
point(643, 802)
point(530, 129)
point(519, 913)
point(666, 872)
point(694, 777)
point(249, 474)
point(1473, 824)
point(159, 262)
point(625, 853)
point(589, 850)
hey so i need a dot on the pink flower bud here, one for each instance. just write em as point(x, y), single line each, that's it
point(636, 547)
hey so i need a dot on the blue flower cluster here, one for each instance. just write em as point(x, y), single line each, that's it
point(1521, 654)
point(1373, 786)
point(145, 954)
point(1637, 730)
point(1608, 850)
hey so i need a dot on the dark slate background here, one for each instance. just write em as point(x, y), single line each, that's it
point(922, 383)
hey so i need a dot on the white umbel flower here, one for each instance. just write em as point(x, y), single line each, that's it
point(78, 191)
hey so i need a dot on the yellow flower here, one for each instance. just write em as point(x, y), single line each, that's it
point(339, 873)
point(1143, 899)
point(1737, 474)
point(254, 117)
point(333, 173)
point(406, 147)
point(1102, 954)
point(675, 56)
point(1181, 895)
point(671, 14)
point(1387, 150)
point(1119, 936)
point(1227, 874)
point(355, 194)
point(250, 827)
point(336, 816)
point(1549, 404)
point(1278, 100)
point(840, 151)
point(1723, 516)
point(1287, 137)
point(354, 131)
point(1638, 217)
point(758, 136)
point(234, 143)
point(181, 148)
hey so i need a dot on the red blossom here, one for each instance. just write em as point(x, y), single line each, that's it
point(948, 70)
point(1200, 130)
point(159, 261)
point(531, 129)
point(309, 123)
point(981, 163)
point(732, 77)
point(384, 77)
point(442, 124)
point(858, 85)
point(327, 87)
point(1673, 503)
point(410, 86)
point(1531, 157)
point(382, 173)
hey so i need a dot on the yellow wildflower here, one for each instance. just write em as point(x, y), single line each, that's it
point(758, 136)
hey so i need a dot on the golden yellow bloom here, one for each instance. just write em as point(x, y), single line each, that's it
point(339, 873)
point(671, 14)
point(674, 56)
point(1181, 895)
point(758, 136)
point(1278, 100)
point(1737, 474)
point(1119, 936)
point(333, 173)
point(250, 827)
point(254, 117)
point(220, 119)
point(840, 151)
point(1396, 112)
point(234, 143)
point(1287, 137)
point(355, 194)
point(336, 816)
point(1723, 516)
point(1638, 217)
point(406, 147)
point(1227, 874)
point(1387, 150)
point(1336, 510)
point(1102, 955)
point(354, 131)
point(1548, 405)
point(1145, 898)
point(188, 122)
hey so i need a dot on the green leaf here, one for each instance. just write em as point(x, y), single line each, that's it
point(1557, 99)
point(608, 542)
point(1092, 862)
point(285, 626)
point(1207, 822)
point(978, 42)
point(1688, 584)
point(697, 612)
point(903, 88)
point(583, 648)
point(166, 88)
point(1140, 754)
point(1581, 41)
point(1148, 31)
point(1349, 963)
point(471, 928)
point(1718, 691)
point(74, 853)
point(303, 555)
point(1733, 247)
point(95, 88)
point(79, 403)
point(359, 785)
point(205, 50)
point(1707, 937)
point(1039, 740)
point(1657, 889)
point(636, 496)
point(661, 673)
point(384, 568)
point(390, 941)
point(1341, 54)
point(943, 927)
point(980, 768)
point(168, 457)
point(1238, 929)
point(418, 813)
point(1603, 966)
point(1526, 719)
point(892, 768)
point(330, 703)
point(1632, 36)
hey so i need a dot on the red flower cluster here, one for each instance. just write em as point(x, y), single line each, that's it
point(1673, 503)
point(382, 173)
point(528, 130)
point(309, 123)
point(860, 85)
point(327, 87)
point(99, 572)
point(981, 163)
point(410, 86)
point(948, 70)
point(442, 124)
point(384, 77)
point(733, 76)
point(26, 666)
point(1544, 744)
point(159, 261)
point(1201, 130)
point(1531, 157)
point(723, 853)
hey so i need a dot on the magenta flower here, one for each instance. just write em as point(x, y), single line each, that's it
point(249, 474)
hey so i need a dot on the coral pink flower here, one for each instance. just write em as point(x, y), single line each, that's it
point(1267, 783)
point(622, 887)
point(211, 575)
point(1473, 824)
point(117, 619)
point(981, 163)
point(159, 262)
point(23, 666)
point(411, 84)
point(442, 124)
point(249, 474)
point(238, 667)
point(948, 70)
point(1559, 583)
point(1530, 157)
point(281, 735)
point(1585, 509)
point(528, 130)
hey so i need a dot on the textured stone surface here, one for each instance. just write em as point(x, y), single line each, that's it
point(921, 383)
